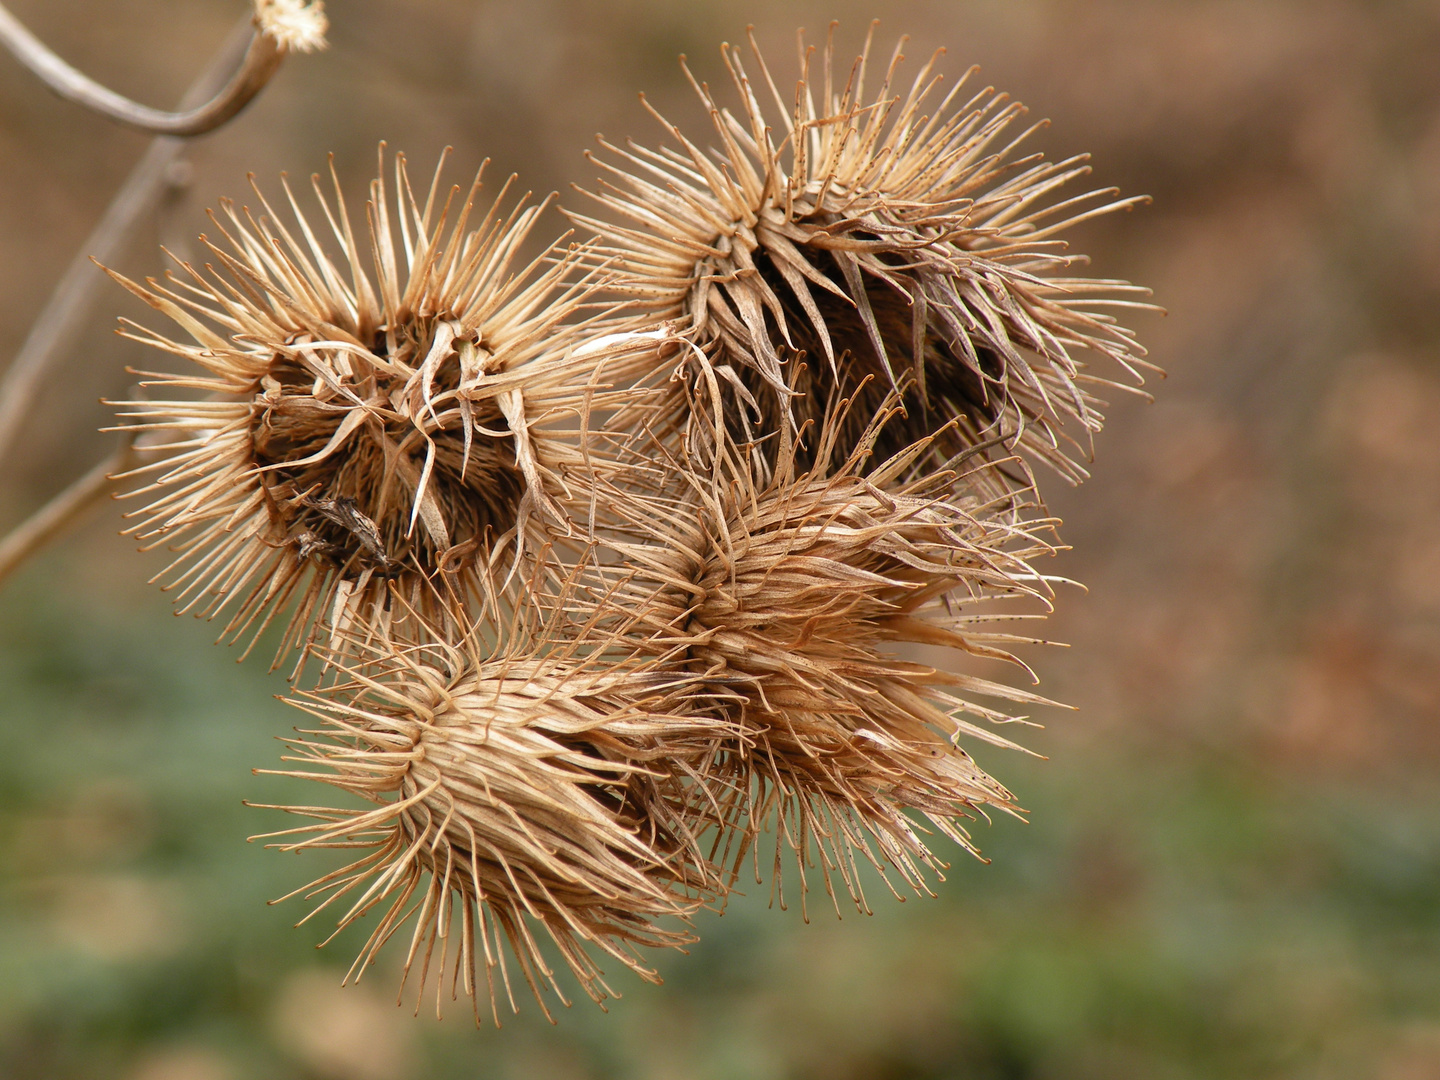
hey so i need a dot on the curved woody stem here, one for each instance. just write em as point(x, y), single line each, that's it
point(51, 519)
point(60, 319)
point(261, 58)
point(239, 71)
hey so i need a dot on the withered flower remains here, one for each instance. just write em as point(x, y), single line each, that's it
point(513, 793)
point(784, 599)
point(400, 421)
point(588, 634)
point(900, 238)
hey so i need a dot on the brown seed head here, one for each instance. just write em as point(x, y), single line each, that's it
point(296, 25)
point(785, 600)
point(405, 420)
point(898, 237)
point(511, 796)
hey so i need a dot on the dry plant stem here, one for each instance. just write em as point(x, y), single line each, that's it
point(62, 317)
point(262, 57)
point(54, 516)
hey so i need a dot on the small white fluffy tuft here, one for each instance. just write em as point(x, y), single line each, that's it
point(295, 25)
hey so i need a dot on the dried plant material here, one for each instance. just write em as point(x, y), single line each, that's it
point(786, 599)
point(248, 66)
point(606, 591)
point(295, 25)
point(512, 794)
point(410, 418)
point(897, 236)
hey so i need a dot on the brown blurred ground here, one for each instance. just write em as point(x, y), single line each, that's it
point(1261, 544)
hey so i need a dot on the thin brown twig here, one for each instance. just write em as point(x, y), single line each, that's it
point(262, 56)
point(54, 516)
point(61, 318)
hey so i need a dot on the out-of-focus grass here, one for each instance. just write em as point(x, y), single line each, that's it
point(1163, 914)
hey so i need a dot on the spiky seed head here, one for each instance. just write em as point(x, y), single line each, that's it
point(899, 235)
point(400, 419)
point(785, 598)
point(296, 25)
point(514, 800)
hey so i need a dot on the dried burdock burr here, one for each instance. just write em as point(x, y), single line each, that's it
point(604, 591)
point(786, 598)
point(518, 796)
point(899, 241)
point(402, 419)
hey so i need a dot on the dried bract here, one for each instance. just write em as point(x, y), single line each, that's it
point(511, 794)
point(407, 420)
point(897, 237)
point(786, 599)
point(296, 25)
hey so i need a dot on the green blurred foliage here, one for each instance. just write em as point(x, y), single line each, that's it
point(1182, 915)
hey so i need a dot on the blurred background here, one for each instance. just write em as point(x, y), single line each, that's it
point(1232, 867)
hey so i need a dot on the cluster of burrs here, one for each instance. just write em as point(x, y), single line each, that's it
point(602, 570)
